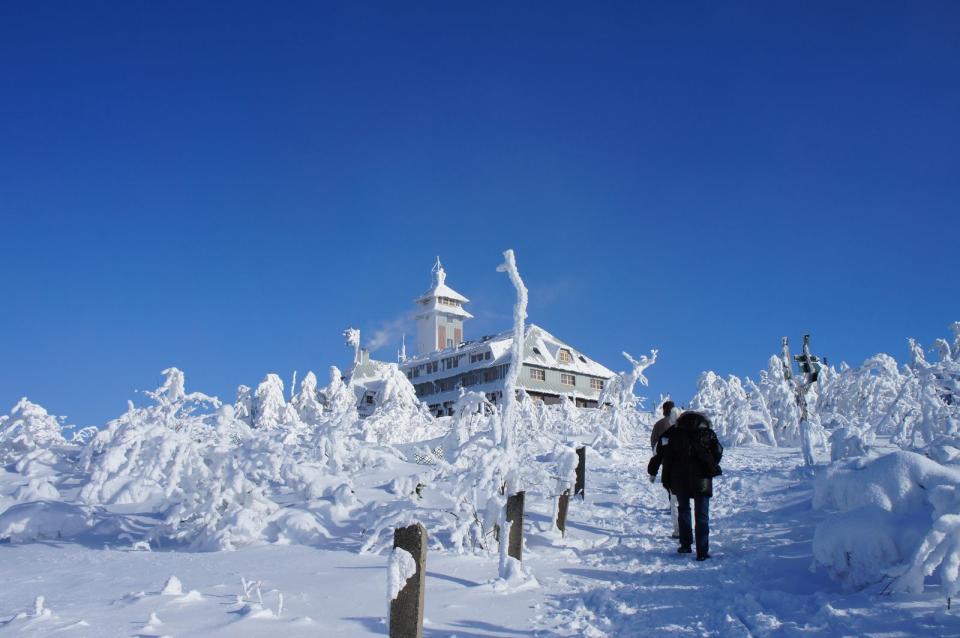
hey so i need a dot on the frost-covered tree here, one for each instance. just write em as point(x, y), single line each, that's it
point(778, 393)
point(307, 402)
point(618, 421)
point(26, 429)
point(269, 408)
point(171, 459)
point(339, 400)
point(860, 397)
point(400, 416)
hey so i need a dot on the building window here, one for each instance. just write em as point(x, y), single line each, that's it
point(480, 356)
point(489, 375)
point(564, 356)
point(449, 343)
point(596, 384)
point(568, 379)
point(537, 374)
point(369, 399)
point(488, 355)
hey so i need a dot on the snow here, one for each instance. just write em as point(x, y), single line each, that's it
point(400, 568)
point(615, 574)
point(279, 514)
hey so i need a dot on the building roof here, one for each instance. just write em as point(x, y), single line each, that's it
point(435, 305)
point(540, 349)
point(440, 288)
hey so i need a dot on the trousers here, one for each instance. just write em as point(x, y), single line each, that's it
point(701, 506)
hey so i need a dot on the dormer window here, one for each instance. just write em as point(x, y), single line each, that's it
point(564, 356)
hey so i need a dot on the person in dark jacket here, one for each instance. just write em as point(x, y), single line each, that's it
point(692, 453)
point(660, 428)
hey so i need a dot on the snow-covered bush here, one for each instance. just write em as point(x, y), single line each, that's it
point(848, 442)
point(882, 510)
point(169, 459)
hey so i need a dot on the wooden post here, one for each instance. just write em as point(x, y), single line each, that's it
point(581, 472)
point(515, 517)
point(562, 505)
point(406, 610)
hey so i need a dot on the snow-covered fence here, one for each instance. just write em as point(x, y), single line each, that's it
point(406, 581)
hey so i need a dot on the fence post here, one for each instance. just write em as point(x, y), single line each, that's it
point(515, 517)
point(581, 472)
point(562, 512)
point(406, 610)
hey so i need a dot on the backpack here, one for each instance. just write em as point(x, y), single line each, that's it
point(709, 451)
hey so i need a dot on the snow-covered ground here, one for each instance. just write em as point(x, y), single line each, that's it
point(615, 574)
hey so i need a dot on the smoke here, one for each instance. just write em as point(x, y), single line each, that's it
point(390, 332)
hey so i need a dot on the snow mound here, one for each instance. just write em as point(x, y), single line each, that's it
point(884, 509)
point(44, 520)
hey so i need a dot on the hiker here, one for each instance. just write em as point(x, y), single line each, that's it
point(692, 453)
point(670, 414)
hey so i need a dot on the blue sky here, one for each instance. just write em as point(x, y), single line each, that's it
point(226, 187)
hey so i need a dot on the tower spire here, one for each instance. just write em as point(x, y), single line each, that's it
point(439, 274)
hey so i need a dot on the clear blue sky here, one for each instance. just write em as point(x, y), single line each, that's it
point(226, 187)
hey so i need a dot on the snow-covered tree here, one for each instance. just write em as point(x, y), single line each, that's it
point(307, 402)
point(269, 408)
point(26, 429)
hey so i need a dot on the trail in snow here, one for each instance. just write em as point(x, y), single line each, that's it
point(626, 579)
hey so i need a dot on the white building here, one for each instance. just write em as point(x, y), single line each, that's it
point(446, 361)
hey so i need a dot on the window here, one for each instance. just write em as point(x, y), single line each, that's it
point(488, 355)
point(369, 398)
point(564, 356)
point(489, 375)
point(568, 379)
point(449, 343)
point(537, 374)
point(433, 366)
point(596, 384)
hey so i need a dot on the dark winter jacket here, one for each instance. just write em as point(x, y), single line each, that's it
point(657, 461)
point(692, 452)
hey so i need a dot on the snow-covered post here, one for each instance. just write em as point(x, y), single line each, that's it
point(581, 483)
point(515, 525)
point(406, 576)
point(562, 505)
point(509, 266)
point(511, 517)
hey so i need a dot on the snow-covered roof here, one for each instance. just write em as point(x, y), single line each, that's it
point(444, 308)
point(440, 288)
point(540, 348)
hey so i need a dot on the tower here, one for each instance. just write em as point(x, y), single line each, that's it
point(440, 315)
